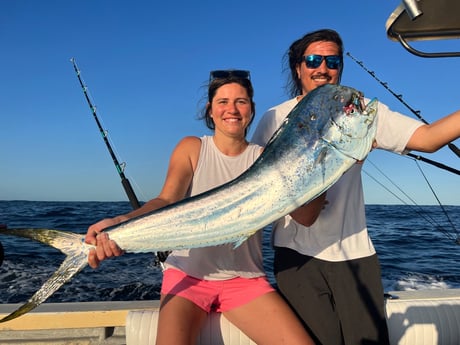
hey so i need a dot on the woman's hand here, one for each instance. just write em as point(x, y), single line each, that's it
point(105, 247)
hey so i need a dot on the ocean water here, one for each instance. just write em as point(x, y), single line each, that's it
point(417, 249)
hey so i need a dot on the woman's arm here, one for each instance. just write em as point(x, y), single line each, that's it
point(182, 165)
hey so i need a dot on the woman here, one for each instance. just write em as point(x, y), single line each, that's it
point(218, 278)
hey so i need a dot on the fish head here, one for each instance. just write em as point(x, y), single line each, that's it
point(347, 123)
point(332, 122)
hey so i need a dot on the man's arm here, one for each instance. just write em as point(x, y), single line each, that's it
point(308, 213)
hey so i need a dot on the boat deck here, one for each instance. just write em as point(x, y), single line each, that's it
point(424, 317)
point(71, 323)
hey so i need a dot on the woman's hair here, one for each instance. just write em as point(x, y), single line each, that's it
point(214, 85)
point(294, 56)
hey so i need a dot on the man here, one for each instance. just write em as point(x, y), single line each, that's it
point(325, 263)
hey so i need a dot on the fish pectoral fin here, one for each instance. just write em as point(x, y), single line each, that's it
point(70, 267)
point(239, 242)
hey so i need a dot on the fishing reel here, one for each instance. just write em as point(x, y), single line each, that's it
point(160, 258)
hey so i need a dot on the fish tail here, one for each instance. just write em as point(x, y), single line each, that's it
point(70, 244)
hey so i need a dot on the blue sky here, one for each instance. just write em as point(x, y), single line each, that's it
point(146, 64)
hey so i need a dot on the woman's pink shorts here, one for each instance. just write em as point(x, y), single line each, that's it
point(214, 295)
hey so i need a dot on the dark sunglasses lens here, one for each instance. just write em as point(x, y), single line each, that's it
point(230, 73)
point(313, 61)
point(333, 62)
point(241, 74)
point(219, 74)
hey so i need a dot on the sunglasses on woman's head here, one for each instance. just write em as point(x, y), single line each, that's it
point(314, 61)
point(221, 74)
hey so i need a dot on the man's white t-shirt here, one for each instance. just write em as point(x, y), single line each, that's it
point(340, 232)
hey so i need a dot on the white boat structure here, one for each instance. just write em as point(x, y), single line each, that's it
point(423, 317)
point(425, 20)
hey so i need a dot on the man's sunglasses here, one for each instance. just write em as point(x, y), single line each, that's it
point(222, 74)
point(314, 61)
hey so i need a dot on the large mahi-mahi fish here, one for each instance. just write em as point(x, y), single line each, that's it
point(321, 138)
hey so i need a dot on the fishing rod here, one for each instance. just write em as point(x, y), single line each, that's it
point(436, 164)
point(160, 257)
point(452, 146)
point(120, 168)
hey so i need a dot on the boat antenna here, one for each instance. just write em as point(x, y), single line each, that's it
point(120, 167)
point(452, 146)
